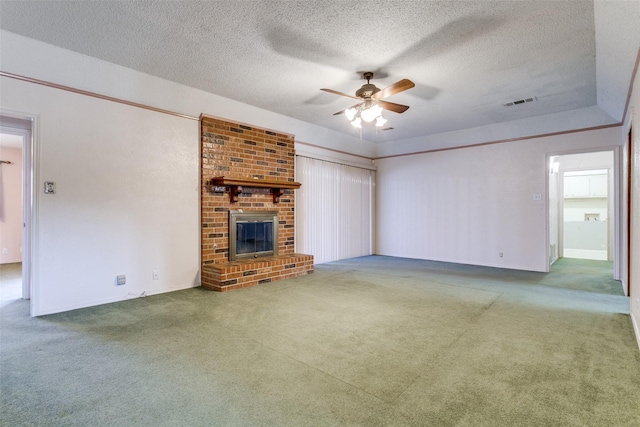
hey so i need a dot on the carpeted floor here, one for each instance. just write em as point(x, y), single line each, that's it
point(583, 274)
point(10, 282)
point(372, 341)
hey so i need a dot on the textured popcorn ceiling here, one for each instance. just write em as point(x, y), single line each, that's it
point(467, 58)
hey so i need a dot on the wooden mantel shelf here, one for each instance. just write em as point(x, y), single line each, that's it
point(235, 186)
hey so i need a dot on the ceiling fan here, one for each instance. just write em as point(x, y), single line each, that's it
point(371, 101)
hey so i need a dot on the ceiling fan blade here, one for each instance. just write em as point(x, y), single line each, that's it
point(339, 93)
point(403, 84)
point(353, 106)
point(392, 106)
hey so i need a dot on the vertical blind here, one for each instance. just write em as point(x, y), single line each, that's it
point(334, 210)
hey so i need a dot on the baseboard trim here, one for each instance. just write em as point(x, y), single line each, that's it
point(636, 329)
point(93, 303)
point(467, 262)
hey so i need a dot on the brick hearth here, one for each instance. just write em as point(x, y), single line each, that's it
point(240, 151)
point(241, 274)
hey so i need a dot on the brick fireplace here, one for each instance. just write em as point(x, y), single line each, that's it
point(248, 168)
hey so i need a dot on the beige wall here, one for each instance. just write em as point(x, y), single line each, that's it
point(11, 206)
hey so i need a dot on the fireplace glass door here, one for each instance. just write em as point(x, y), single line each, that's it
point(253, 234)
point(254, 237)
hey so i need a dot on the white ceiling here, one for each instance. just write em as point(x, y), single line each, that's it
point(467, 58)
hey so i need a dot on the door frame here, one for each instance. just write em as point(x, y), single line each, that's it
point(617, 215)
point(26, 125)
point(629, 165)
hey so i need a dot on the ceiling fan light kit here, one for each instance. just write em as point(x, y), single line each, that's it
point(371, 105)
point(356, 115)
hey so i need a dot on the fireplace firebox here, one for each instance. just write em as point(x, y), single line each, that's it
point(252, 234)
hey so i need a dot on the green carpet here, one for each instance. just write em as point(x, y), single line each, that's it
point(372, 341)
point(583, 274)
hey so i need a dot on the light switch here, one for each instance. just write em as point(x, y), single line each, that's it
point(49, 187)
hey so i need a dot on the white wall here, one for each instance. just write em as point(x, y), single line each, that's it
point(126, 198)
point(576, 209)
point(469, 205)
point(634, 118)
point(11, 205)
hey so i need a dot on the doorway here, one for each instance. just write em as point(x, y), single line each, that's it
point(582, 211)
point(16, 201)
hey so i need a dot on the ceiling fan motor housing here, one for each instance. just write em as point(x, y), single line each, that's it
point(367, 90)
point(371, 96)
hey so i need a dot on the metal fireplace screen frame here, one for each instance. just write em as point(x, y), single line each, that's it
point(258, 232)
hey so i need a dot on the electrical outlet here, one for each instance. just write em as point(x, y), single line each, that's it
point(537, 197)
point(121, 280)
point(5, 251)
point(500, 254)
point(156, 274)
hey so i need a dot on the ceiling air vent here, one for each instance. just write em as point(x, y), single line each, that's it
point(520, 101)
point(387, 128)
